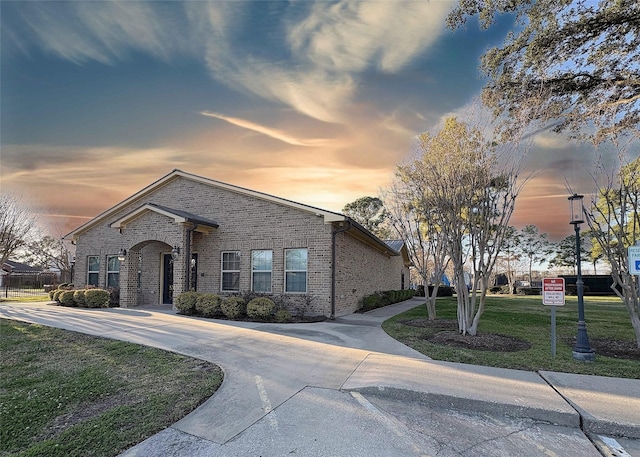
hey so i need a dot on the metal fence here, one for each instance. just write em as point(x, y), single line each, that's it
point(28, 285)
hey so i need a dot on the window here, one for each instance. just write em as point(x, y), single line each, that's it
point(295, 270)
point(261, 265)
point(230, 271)
point(93, 270)
point(113, 271)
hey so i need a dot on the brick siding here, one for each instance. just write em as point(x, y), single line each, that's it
point(245, 223)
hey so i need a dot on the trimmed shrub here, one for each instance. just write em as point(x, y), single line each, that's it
point(282, 316)
point(114, 297)
point(208, 305)
point(96, 298)
point(186, 302)
point(384, 298)
point(52, 293)
point(233, 307)
point(369, 302)
point(66, 298)
point(260, 308)
point(528, 291)
point(78, 297)
point(56, 294)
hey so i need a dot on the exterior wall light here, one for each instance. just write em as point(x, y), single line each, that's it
point(122, 255)
point(175, 252)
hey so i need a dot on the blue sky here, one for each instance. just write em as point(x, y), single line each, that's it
point(312, 101)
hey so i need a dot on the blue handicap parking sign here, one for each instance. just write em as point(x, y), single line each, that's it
point(637, 265)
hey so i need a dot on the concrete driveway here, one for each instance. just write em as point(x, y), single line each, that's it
point(341, 388)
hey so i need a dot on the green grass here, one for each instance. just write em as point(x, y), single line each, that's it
point(528, 319)
point(67, 394)
point(26, 298)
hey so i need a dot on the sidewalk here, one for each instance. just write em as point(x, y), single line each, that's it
point(346, 388)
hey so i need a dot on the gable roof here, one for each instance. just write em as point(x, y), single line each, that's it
point(182, 216)
point(201, 224)
point(329, 216)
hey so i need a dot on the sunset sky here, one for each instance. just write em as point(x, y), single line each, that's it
point(316, 102)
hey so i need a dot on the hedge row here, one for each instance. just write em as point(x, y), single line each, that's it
point(231, 307)
point(384, 298)
point(85, 298)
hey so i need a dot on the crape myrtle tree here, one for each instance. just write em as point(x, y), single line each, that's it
point(570, 63)
point(466, 186)
point(614, 220)
point(426, 244)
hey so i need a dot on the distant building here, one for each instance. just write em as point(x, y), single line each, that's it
point(187, 232)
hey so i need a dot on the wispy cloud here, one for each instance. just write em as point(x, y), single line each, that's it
point(310, 58)
point(353, 36)
point(327, 50)
point(270, 132)
point(106, 32)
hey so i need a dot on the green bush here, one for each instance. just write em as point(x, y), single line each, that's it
point(78, 296)
point(384, 298)
point(528, 291)
point(66, 298)
point(369, 302)
point(233, 307)
point(208, 305)
point(52, 293)
point(96, 298)
point(260, 308)
point(56, 294)
point(186, 302)
point(282, 316)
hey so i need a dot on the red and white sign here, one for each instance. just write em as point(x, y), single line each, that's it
point(553, 291)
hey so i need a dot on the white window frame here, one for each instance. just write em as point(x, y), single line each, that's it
point(288, 270)
point(93, 272)
point(261, 271)
point(113, 272)
point(223, 271)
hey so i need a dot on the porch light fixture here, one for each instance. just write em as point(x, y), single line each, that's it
point(122, 254)
point(174, 252)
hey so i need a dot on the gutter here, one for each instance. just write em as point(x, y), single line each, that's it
point(333, 266)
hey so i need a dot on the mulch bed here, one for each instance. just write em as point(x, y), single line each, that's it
point(445, 333)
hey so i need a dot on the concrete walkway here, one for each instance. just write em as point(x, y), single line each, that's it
point(344, 387)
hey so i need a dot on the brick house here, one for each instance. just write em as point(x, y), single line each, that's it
point(187, 232)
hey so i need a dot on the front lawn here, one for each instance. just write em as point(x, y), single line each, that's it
point(518, 322)
point(68, 394)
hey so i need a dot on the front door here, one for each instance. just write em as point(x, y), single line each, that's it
point(167, 279)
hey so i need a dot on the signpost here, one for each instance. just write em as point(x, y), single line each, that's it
point(633, 256)
point(553, 295)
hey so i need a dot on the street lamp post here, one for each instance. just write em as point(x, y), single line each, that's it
point(582, 350)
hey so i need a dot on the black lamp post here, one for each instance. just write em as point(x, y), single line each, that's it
point(582, 350)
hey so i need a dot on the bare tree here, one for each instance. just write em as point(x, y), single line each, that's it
point(47, 252)
point(17, 225)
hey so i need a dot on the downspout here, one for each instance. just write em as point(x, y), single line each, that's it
point(333, 267)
